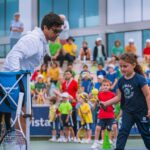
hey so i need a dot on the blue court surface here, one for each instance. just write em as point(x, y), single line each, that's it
point(132, 144)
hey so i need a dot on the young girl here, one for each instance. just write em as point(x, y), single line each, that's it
point(84, 111)
point(134, 95)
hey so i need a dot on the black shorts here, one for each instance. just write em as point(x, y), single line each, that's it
point(70, 121)
point(106, 123)
point(87, 126)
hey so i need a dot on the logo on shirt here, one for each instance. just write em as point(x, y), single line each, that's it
point(128, 91)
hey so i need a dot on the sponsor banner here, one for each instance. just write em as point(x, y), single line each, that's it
point(40, 125)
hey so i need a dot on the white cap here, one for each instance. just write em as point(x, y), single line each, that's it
point(65, 94)
point(131, 41)
point(40, 76)
point(148, 41)
point(16, 14)
point(100, 76)
point(98, 39)
point(111, 66)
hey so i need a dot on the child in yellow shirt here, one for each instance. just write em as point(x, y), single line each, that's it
point(85, 114)
point(52, 117)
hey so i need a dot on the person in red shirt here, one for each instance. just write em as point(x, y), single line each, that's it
point(71, 87)
point(146, 51)
point(105, 118)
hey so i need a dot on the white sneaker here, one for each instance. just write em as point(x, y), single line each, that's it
point(95, 145)
point(53, 139)
point(83, 141)
point(75, 140)
point(64, 140)
point(60, 140)
point(88, 141)
point(100, 142)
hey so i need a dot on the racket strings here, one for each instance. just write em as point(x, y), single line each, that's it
point(14, 137)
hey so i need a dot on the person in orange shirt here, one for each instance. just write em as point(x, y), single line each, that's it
point(130, 48)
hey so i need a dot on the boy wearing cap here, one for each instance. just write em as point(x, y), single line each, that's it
point(16, 28)
point(100, 79)
point(112, 77)
point(65, 110)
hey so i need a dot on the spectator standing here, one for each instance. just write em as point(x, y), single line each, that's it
point(16, 29)
point(65, 33)
point(99, 54)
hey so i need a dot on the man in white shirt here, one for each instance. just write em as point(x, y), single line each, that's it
point(31, 48)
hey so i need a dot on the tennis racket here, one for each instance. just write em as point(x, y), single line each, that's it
point(102, 106)
point(15, 139)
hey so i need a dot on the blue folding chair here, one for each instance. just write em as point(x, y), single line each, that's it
point(11, 84)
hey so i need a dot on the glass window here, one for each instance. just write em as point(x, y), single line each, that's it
point(137, 37)
point(44, 8)
point(2, 51)
point(112, 37)
point(145, 36)
point(132, 10)
point(2, 16)
point(11, 8)
point(61, 7)
point(76, 13)
point(92, 13)
point(7, 48)
point(146, 10)
point(78, 42)
point(115, 11)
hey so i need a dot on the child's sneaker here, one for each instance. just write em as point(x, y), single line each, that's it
point(83, 141)
point(100, 142)
point(60, 140)
point(95, 145)
point(53, 140)
point(88, 141)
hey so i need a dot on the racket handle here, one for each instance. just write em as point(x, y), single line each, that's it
point(103, 106)
point(20, 101)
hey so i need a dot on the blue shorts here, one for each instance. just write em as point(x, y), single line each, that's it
point(106, 123)
point(78, 125)
point(53, 125)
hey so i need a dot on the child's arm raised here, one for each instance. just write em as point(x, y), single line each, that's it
point(114, 100)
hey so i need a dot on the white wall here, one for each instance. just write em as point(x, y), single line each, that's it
point(25, 9)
